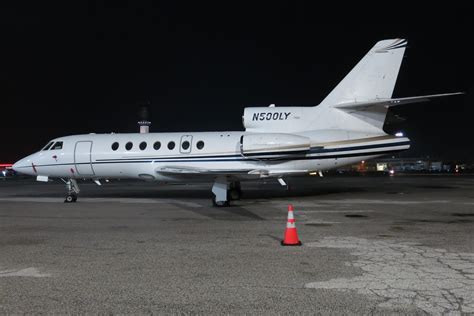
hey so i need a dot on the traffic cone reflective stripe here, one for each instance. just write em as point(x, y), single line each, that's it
point(291, 217)
point(291, 235)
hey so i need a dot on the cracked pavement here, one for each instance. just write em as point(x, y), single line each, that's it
point(405, 273)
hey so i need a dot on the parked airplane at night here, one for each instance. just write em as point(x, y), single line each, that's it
point(345, 128)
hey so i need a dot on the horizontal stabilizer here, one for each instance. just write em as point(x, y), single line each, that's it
point(393, 102)
point(374, 111)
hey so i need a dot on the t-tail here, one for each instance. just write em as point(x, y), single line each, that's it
point(361, 100)
point(359, 103)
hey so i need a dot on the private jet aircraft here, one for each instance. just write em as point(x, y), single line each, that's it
point(345, 128)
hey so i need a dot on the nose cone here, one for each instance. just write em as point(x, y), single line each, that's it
point(24, 166)
point(17, 166)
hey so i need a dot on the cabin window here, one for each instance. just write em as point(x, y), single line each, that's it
point(185, 145)
point(48, 145)
point(57, 146)
point(115, 146)
point(129, 146)
point(157, 145)
point(200, 145)
point(142, 145)
point(171, 145)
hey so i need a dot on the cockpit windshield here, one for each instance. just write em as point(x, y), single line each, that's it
point(57, 145)
point(47, 146)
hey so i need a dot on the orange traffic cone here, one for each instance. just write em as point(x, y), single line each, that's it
point(291, 236)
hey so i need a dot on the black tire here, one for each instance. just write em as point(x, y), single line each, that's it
point(69, 199)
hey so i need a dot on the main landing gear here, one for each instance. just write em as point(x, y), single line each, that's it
point(72, 191)
point(224, 191)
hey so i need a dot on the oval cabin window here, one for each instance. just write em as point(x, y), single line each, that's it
point(129, 146)
point(142, 145)
point(185, 145)
point(171, 145)
point(200, 145)
point(115, 146)
point(157, 145)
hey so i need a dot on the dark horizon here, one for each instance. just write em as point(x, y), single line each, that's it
point(72, 70)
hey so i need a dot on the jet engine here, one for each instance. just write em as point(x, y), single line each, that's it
point(273, 145)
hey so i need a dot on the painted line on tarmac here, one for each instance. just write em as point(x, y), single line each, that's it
point(395, 202)
point(103, 200)
point(28, 272)
point(335, 211)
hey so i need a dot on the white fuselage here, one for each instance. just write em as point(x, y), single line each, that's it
point(92, 156)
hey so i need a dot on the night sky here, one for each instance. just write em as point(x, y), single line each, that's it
point(69, 69)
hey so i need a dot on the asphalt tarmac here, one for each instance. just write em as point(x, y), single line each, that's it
point(401, 244)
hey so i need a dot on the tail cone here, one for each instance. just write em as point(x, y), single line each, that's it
point(291, 235)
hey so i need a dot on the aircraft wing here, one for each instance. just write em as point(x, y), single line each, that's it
point(276, 173)
point(178, 170)
point(262, 173)
point(391, 102)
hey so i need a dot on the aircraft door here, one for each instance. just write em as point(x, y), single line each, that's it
point(82, 158)
point(186, 144)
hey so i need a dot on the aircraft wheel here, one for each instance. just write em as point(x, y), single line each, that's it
point(70, 198)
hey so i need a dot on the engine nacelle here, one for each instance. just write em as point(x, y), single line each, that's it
point(268, 145)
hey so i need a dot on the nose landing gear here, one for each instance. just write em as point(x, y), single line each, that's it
point(72, 191)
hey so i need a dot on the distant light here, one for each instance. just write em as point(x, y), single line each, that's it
point(314, 173)
point(4, 173)
point(392, 172)
point(399, 134)
point(363, 161)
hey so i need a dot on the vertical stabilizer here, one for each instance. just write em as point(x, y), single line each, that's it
point(373, 78)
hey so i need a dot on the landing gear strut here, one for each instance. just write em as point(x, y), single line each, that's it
point(224, 191)
point(72, 191)
point(235, 191)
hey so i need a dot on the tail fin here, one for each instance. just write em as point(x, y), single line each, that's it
point(373, 78)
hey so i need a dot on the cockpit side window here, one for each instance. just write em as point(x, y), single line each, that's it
point(48, 145)
point(57, 145)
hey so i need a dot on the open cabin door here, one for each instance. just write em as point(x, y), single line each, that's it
point(82, 158)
